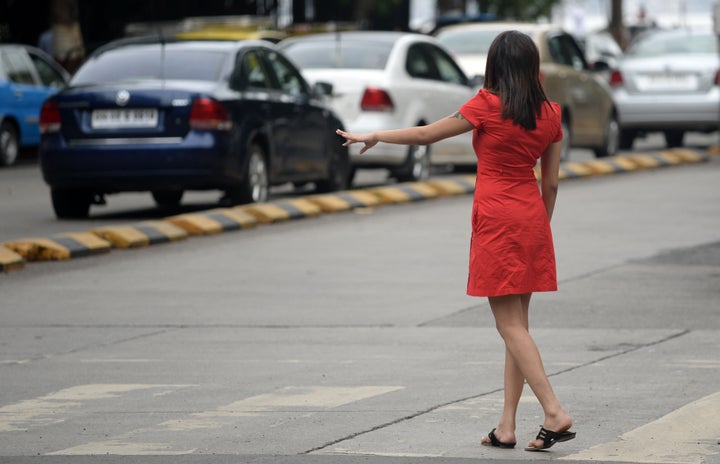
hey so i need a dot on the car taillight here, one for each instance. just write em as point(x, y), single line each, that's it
point(376, 100)
point(616, 79)
point(717, 77)
point(209, 114)
point(50, 118)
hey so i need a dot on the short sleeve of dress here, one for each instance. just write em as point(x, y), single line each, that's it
point(475, 109)
point(559, 135)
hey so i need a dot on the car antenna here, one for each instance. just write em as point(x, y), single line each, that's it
point(161, 38)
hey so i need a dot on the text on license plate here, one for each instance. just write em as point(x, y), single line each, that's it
point(122, 118)
point(667, 82)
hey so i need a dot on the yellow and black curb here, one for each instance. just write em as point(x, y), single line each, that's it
point(16, 253)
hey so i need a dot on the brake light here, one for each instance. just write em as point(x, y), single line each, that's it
point(50, 118)
point(717, 77)
point(376, 100)
point(209, 114)
point(616, 79)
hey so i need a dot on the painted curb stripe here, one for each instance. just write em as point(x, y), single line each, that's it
point(161, 231)
point(265, 213)
point(330, 203)
point(308, 208)
point(359, 199)
point(576, 170)
point(292, 210)
point(196, 224)
point(450, 187)
point(9, 260)
point(122, 236)
point(601, 167)
point(59, 247)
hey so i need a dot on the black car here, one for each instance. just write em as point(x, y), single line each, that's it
point(165, 117)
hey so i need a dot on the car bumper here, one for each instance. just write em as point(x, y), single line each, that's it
point(683, 111)
point(198, 162)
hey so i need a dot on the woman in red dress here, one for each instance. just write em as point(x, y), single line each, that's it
point(511, 250)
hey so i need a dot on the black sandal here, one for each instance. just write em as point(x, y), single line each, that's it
point(549, 438)
point(497, 443)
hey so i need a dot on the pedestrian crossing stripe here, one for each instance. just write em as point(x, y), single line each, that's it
point(309, 398)
point(48, 409)
point(685, 436)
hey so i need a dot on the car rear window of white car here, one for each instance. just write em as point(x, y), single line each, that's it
point(343, 55)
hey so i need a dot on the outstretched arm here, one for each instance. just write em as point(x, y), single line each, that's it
point(450, 126)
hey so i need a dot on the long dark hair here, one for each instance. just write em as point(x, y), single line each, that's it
point(513, 73)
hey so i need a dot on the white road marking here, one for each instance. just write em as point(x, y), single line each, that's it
point(316, 397)
point(49, 409)
point(685, 436)
point(122, 448)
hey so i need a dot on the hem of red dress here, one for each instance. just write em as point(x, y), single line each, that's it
point(509, 292)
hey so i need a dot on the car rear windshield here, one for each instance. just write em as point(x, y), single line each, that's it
point(342, 54)
point(468, 41)
point(132, 63)
point(655, 44)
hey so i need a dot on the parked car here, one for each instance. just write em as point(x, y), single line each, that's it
point(668, 81)
point(27, 77)
point(166, 117)
point(589, 115)
point(389, 80)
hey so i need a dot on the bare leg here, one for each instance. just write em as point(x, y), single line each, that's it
point(511, 319)
point(513, 387)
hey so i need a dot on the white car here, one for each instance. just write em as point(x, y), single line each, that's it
point(389, 80)
point(669, 82)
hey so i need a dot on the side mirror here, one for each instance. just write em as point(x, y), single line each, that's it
point(323, 89)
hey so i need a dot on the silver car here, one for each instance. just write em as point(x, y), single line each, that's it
point(669, 82)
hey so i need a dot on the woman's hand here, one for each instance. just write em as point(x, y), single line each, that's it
point(370, 140)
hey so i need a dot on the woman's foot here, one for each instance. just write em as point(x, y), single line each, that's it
point(498, 437)
point(558, 424)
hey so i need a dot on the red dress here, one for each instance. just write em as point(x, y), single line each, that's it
point(511, 249)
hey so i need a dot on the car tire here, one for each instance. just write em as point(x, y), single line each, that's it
point(256, 186)
point(416, 166)
point(627, 139)
point(566, 140)
point(338, 171)
point(9, 144)
point(70, 203)
point(611, 139)
point(167, 198)
point(674, 138)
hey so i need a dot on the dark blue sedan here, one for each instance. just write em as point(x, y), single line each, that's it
point(166, 117)
point(27, 77)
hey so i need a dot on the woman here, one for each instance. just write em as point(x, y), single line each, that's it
point(511, 250)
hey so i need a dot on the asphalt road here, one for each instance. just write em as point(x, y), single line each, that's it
point(347, 338)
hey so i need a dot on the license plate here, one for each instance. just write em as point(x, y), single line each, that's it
point(667, 82)
point(124, 118)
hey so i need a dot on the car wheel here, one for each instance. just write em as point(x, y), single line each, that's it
point(567, 136)
point(416, 166)
point(70, 204)
point(338, 171)
point(674, 138)
point(9, 145)
point(611, 140)
point(167, 198)
point(627, 139)
point(255, 188)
